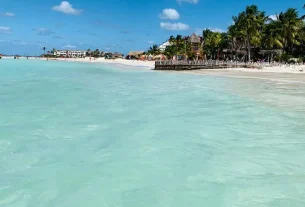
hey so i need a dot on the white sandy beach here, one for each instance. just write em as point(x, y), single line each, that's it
point(133, 63)
point(151, 64)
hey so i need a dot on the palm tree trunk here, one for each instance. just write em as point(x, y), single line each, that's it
point(285, 46)
point(232, 48)
point(249, 48)
point(271, 59)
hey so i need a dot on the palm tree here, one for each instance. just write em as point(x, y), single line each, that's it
point(177, 44)
point(96, 53)
point(44, 50)
point(224, 43)
point(212, 41)
point(289, 25)
point(271, 37)
point(54, 51)
point(172, 39)
point(170, 51)
point(233, 39)
point(250, 23)
point(88, 53)
point(154, 50)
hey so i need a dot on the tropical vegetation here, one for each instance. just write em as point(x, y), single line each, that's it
point(252, 36)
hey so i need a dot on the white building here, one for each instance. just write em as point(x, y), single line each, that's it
point(164, 45)
point(70, 53)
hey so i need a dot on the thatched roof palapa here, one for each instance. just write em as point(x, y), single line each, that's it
point(135, 53)
point(194, 38)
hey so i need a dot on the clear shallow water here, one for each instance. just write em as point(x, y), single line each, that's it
point(89, 135)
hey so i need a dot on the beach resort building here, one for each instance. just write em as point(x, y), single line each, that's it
point(134, 54)
point(164, 45)
point(195, 42)
point(70, 53)
point(118, 55)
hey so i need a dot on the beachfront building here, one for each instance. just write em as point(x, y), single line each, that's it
point(118, 55)
point(163, 46)
point(195, 42)
point(70, 53)
point(134, 54)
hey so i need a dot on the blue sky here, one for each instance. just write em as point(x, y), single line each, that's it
point(114, 25)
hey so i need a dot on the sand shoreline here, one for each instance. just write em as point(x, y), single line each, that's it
point(293, 78)
point(123, 62)
point(284, 73)
point(151, 65)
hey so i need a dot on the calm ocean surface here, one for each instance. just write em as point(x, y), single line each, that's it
point(86, 135)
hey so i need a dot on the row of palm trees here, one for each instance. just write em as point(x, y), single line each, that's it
point(93, 53)
point(178, 46)
point(49, 52)
point(252, 31)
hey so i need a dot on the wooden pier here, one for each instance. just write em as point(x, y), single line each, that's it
point(197, 65)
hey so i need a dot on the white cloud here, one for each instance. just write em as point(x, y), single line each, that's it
point(169, 14)
point(231, 23)
point(67, 8)
point(5, 30)
point(9, 14)
point(59, 37)
point(216, 30)
point(150, 42)
point(43, 31)
point(273, 17)
point(69, 46)
point(198, 31)
point(188, 1)
point(19, 42)
point(174, 26)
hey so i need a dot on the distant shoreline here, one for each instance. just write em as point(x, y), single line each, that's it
point(289, 74)
point(296, 69)
point(124, 62)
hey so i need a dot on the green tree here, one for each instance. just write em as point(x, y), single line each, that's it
point(250, 23)
point(88, 53)
point(212, 42)
point(170, 51)
point(271, 38)
point(178, 46)
point(289, 25)
point(44, 50)
point(96, 53)
point(154, 50)
point(172, 39)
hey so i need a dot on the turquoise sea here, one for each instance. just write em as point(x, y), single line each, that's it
point(88, 135)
